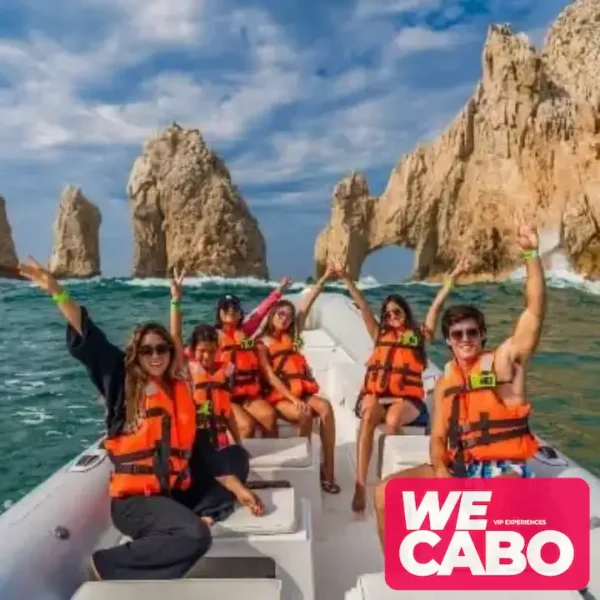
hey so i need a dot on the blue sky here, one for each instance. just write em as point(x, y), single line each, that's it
point(293, 94)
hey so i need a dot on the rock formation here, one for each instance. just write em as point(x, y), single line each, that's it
point(75, 251)
point(186, 211)
point(527, 141)
point(8, 255)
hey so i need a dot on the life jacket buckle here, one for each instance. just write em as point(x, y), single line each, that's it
point(481, 381)
point(410, 339)
point(247, 344)
point(298, 343)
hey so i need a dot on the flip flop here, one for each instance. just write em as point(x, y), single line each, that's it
point(330, 487)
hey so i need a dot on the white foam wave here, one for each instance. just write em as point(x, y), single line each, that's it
point(560, 275)
point(367, 282)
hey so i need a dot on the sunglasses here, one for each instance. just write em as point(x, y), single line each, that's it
point(393, 312)
point(284, 314)
point(471, 333)
point(159, 350)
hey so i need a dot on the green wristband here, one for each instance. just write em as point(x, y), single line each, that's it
point(530, 255)
point(448, 284)
point(61, 297)
point(176, 304)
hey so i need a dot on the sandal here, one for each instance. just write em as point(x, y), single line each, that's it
point(330, 487)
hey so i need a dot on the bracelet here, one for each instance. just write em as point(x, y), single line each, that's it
point(176, 304)
point(61, 297)
point(448, 284)
point(530, 255)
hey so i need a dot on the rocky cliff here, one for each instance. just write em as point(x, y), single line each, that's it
point(8, 255)
point(528, 140)
point(76, 251)
point(187, 211)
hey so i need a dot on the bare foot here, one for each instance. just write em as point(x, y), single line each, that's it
point(359, 502)
point(208, 520)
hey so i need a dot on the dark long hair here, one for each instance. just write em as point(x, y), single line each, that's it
point(403, 304)
point(224, 302)
point(270, 329)
point(409, 318)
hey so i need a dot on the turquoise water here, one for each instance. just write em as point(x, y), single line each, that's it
point(48, 410)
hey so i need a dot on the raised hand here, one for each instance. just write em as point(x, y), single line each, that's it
point(176, 283)
point(284, 284)
point(527, 235)
point(336, 267)
point(461, 268)
point(39, 275)
point(527, 238)
point(330, 271)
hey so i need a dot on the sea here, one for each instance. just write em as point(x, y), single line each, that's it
point(49, 411)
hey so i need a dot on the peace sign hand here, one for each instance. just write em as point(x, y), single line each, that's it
point(39, 275)
point(176, 283)
point(462, 267)
point(527, 235)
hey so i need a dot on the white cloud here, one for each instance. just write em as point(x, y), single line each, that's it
point(378, 8)
point(418, 39)
point(363, 136)
point(164, 20)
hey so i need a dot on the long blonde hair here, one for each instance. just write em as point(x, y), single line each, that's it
point(136, 379)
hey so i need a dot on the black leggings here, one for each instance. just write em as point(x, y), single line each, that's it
point(168, 538)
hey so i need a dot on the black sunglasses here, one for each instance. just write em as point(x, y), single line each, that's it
point(159, 349)
point(470, 333)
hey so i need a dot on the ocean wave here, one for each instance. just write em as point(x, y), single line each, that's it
point(560, 275)
point(367, 282)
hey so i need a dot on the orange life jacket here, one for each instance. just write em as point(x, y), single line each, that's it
point(153, 459)
point(239, 350)
point(395, 368)
point(481, 426)
point(291, 367)
point(212, 396)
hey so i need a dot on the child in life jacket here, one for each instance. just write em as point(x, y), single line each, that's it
point(392, 392)
point(216, 428)
point(290, 385)
point(251, 411)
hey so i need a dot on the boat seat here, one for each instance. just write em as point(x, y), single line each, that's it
point(282, 452)
point(283, 535)
point(280, 516)
point(403, 452)
point(290, 430)
point(291, 548)
point(374, 587)
point(294, 459)
point(181, 589)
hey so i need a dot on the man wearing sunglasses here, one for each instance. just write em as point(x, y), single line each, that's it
point(480, 424)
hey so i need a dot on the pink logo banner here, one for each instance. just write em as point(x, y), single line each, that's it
point(487, 534)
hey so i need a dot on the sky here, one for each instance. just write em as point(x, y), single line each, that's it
point(292, 94)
